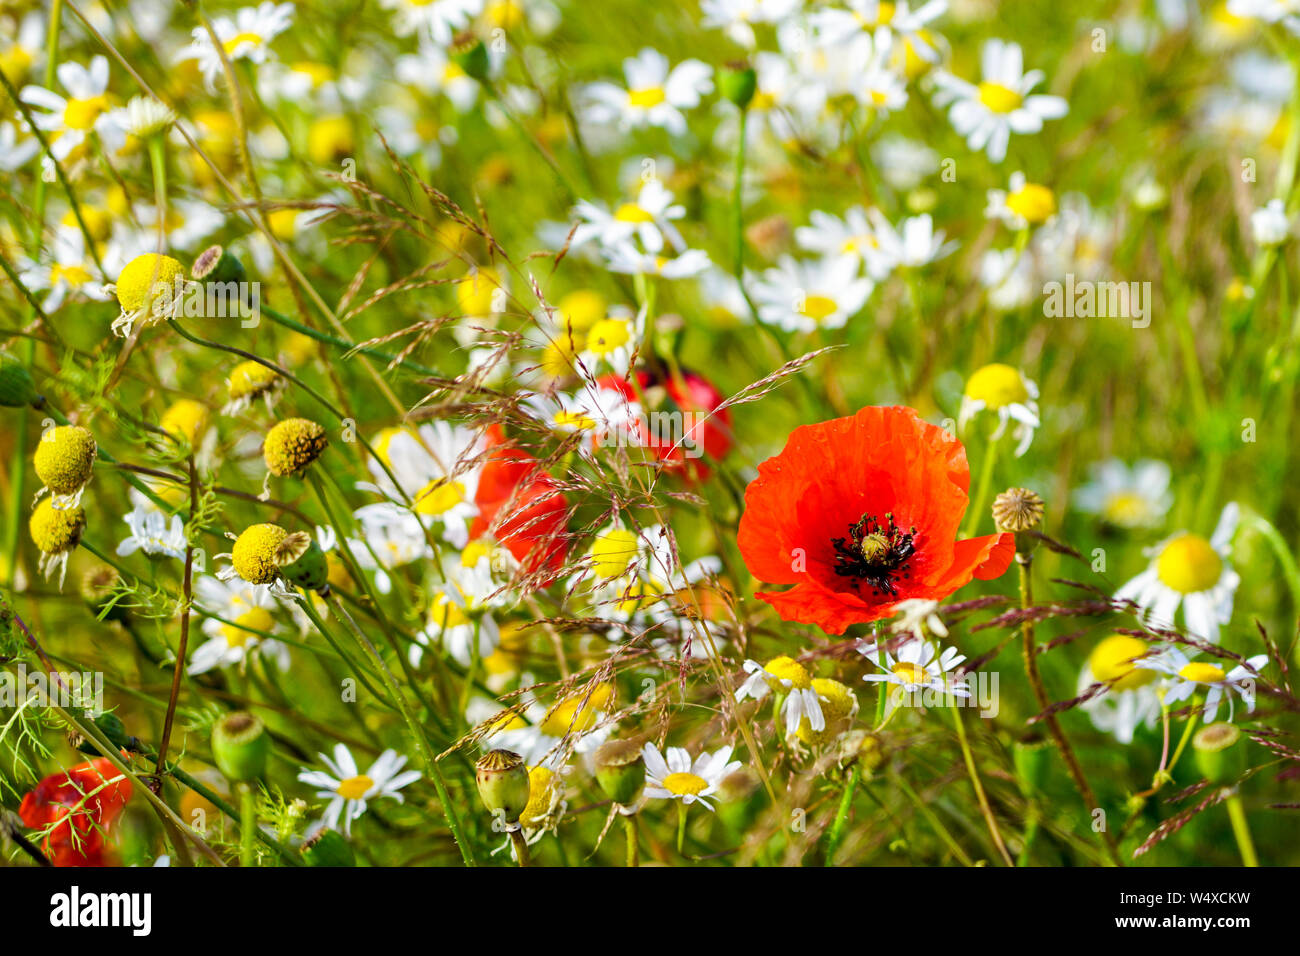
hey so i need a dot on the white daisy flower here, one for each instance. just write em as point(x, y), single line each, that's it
point(629, 260)
point(803, 296)
point(1005, 390)
point(914, 666)
point(460, 613)
point(437, 471)
point(1001, 104)
point(1009, 278)
point(150, 530)
point(1190, 571)
point(440, 19)
point(1136, 497)
point(679, 778)
point(432, 71)
point(1022, 203)
point(1270, 225)
point(613, 341)
point(882, 20)
point(1185, 677)
point(87, 107)
point(143, 116)
point(1130, 697)
point(348, 790)
point(1270, 11)
point(392, 536)
point(655, 95)
point(904, 163)
point(736, 18)
point(647, 218)
point(16, 150)
point(247, 37)
point(791, 678)
point(246, 617)
point(604, 415)
point(852, 237)
point(914, 244)
point(917, 615)
point(66, 269)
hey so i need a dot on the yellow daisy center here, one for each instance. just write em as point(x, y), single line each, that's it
point(997, 386)
point(1189, 564)
point(762, 101)
point(1125, 507)
point(608, 335)
point(1202, 673)
point(1113, 661)
point(818, 307)
point(612, 552)
point(1033, 203)
point(447, 613)
point(685, 784)
point(81, 114)
point(73, 275)
point(999, 98)
point(239, 39)
point(439, 497)
point(647, 97)
point(631, 212)
point(582, 309)
point(786, 668)
point(354, 788)
point(241, 632)
point(910, 672)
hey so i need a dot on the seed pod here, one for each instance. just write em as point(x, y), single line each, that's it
point(16, 386)
point(1220, 753)
point(469, 53)
point(503, 783)
point(620, 771)
point(302, 562)
point(111, 726)
point(738, 82)
point(215, 264)
point(241, 746)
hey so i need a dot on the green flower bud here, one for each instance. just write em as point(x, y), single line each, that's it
point(1031, 758)
point(1220, 753)
point(302, 562)
point(738, 82)
point(328, 848)
point(469, 53)
point(503, 783)
point(215, 264)
point(111, 726)
point(620, 770)
point(241, 746)
point(16, 386)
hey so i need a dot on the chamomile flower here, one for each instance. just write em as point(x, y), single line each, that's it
point(914, 666)
point(1001, 104)
point(852, 237)
point(1185, 677)
point(629, 260)
point(655, 94)
point(736, 18)
point(437, 471)
point(241, 621)
point(1270, 225)
point(1022, 203)
point(1008, 392)
point(1193, 572)
point(803, 296)
point(647, 218)
point(603, 415)
point(578, 723)
point(65, 271)
point(882, 20)
point(143, 117)
point(56, 532)
point(23, 45)
point(1008, 276)
point(348, 790)
point(786, 676)
point(1130, 697)
point(460, 613)
point(1269, 11)
point(613, 341)
point(440, 19)
point(151, 532)
point(677, 777)
point(914, 244)
point(433, 72)
point(1127, 497)
point(68, 120)
point(16, 150)
point(247, 382)
point(247, 37)
point(392, 536)
point(149, 289)
point(916, 617)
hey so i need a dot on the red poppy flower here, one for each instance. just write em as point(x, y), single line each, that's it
point(81, 804)
point(695, 396)
point(522, 505)
point(860, 513)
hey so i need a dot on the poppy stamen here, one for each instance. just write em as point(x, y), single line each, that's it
point(875, 552)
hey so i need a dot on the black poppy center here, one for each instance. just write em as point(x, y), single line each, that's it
point(875, 552)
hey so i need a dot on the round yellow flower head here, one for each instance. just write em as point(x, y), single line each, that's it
point(1033, 203)
point(582, 309)
point(254, 553)
point(1114, 660)
point(185, 419)
point(838, 706)
point(787, 668)
point(54, 530)
point(329, 140)
point(578, 713)
point(146, 278)
point(543, 794)
point(250, 379)
point(475, 294)
point(996, 386)
point(64, 459)
point(292, 445)
point(1189, 564)
point(613, 551)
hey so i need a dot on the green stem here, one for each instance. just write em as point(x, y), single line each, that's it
point(247, 825)
point(979, 504)
point(983, 800)
point(836, 832)
point(633, 846)
point(1241, 830)
point(521, 847)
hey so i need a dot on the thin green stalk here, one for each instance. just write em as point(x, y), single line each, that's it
point(247, 825)
point(633, 845)
point(979, 503)
point(985, 810)
point(836, 832)
point(1241, 831)
point(521, 847)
